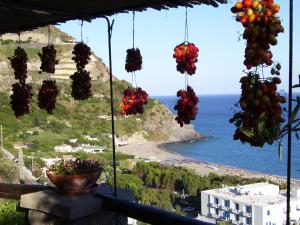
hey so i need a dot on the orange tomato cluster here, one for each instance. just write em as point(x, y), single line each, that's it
point(186, 106)
point(186, 55)
point(261, 111)
point(262, 26)
point(133, 101)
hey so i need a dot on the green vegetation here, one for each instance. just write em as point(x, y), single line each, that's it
point(161, 186)
point(10, 216)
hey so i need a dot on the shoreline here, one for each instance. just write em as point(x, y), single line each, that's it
point(155, 151)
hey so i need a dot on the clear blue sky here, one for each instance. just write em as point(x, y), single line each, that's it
point(213, 30)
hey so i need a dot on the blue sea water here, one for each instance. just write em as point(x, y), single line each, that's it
point(213, 122)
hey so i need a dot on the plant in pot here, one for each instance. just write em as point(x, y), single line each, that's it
point(75, 177)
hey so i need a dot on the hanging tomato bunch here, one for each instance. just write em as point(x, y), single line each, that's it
point(47, 95)
point(48, 91)
point(133, 60)
point(22, 92)
point(133, 101)
point(262, 26)
point(186, 55)
point(20, 99)
point(261, 116)
point(48, 59)
point(186, 106)
point(81, 80)
point(19, 64)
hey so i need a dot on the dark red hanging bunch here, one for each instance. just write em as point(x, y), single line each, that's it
point(81, 85)
point(19, 63)
point(258, 122)
point(81, 80)
point(186, 106)
point(48, 59)
point(186, 55)
point(20, 99)
point(22, 92)
point(133, 60)
point(133, 101)
point(82, 54)
point(47, 95)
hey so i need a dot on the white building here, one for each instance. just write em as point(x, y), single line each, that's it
point(255, 204)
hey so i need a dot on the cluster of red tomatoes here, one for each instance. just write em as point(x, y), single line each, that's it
point(261, 113)
point(186, 55)
point(133, 101)
point(262, 26)
point(22, 92)
point(81, 79)
point(186, 106)
point(47, 95)
point(133, 60)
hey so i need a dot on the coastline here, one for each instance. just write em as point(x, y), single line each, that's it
point(155, 151)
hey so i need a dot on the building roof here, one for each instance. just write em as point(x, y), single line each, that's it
point(260, 194)
point(20, 15)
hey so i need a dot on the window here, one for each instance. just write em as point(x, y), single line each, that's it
point(237, 217)
point(217, 212)
point(216, 201)
point(226, 203)
point(268, 212)
point(237, 206)
point(248, 208)
point(248, 221)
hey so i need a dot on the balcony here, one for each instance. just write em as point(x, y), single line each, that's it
point(109, 204)
point(224, 208)
point(246, 214)
point(235, 211)
point(214, 205)
point(236, 222)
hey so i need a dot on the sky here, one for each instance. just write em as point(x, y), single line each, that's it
point(213, 30)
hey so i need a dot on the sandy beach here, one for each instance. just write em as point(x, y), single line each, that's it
point(151, 151)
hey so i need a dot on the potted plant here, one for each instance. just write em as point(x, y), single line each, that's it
point(75, 177)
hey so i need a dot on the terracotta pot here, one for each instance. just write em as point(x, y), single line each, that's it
point(74, 184)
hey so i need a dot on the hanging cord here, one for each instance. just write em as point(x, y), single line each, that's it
point(81, 25)
point(133, 20)
point(19, 36)
point(49, 39)
point(49, 42)
point(186, 28)
point(186, 40)
point(134, 75)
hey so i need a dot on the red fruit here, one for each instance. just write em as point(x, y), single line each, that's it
point(247, 3)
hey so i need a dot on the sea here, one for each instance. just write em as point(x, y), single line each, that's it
point(213, 122)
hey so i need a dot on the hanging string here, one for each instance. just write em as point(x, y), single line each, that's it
point(81, 30)
point(135, 80)
point(49, 35)
point(186, 28)
point(186, 81)
point(133, 18)
point(131, 80)
point(19, 41)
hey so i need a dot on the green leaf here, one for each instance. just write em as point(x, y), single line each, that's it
point(261, 126)
point(280, 151)
point(248, 133)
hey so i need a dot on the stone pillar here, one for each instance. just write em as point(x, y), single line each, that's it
point(51, 208)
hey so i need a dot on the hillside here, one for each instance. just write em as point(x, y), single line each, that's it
point(41, 132)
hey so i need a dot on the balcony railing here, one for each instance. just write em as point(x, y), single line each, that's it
point(235, 211)
point(214, 205)
point(147, 214)
point(246, 214)
point(224, 208)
